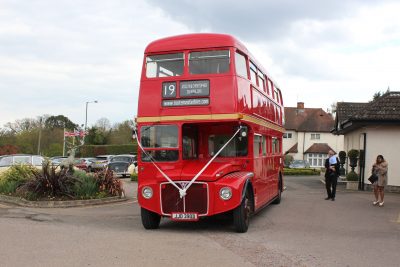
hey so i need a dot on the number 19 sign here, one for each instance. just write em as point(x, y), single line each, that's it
point(169, 90)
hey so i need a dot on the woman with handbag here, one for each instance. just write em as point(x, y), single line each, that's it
point(380, 169)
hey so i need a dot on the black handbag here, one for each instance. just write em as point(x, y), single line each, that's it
point(373, 178)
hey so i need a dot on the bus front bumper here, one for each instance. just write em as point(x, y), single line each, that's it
point(202, 198)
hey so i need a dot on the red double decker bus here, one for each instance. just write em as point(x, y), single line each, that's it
point(209, 130)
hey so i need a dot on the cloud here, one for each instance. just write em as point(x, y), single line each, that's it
point(256, 20)
point(56, 55)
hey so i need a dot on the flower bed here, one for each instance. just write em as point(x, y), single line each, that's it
point(53, 183)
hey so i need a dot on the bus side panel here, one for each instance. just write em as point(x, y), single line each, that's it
point(244, 95)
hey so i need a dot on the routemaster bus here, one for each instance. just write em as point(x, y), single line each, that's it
point(209, 131)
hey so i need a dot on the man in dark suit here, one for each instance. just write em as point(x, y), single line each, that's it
point(331, 175)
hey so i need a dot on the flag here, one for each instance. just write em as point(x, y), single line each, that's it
point(69, 134)
point(75, 133)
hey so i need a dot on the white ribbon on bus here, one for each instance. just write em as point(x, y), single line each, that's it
point(182, 191)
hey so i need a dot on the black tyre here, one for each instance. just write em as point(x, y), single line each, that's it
point(89, 169)
point(279, 197)
point(150, 220)
point(241, 215)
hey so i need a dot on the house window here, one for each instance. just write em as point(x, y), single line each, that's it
point(315, 136)
point(287, 135)
point(316, 159)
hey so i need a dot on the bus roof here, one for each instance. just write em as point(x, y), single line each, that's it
point(200, 41)
point(194, 41)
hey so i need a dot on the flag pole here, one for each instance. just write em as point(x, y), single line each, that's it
point(64, 143)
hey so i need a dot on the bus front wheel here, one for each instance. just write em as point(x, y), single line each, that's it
point(279, 196)
point(150, 220)
point(241, 215)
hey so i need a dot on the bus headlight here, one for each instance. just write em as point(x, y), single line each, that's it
point(147, 192)
point(225, 193)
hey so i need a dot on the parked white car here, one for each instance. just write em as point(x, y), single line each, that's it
point(9, 160)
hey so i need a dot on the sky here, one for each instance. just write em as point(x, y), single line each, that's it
point(57, 55)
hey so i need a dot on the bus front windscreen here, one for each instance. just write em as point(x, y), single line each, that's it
point(154, 138)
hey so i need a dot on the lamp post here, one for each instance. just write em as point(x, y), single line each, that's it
point(87, 103)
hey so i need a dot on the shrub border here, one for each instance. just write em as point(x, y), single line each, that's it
point(302, 171)
point(60, 203)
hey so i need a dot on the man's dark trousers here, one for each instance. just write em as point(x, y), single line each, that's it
point(331, 182)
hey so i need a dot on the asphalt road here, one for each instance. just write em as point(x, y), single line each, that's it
point(304, 230)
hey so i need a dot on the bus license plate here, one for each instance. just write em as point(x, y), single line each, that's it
point(184, 216)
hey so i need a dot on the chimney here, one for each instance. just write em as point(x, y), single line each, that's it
point(300, 105)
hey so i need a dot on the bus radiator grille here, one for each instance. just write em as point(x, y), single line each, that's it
point(196, 199)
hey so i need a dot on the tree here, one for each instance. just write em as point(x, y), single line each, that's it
point(379, 94)
point(95, 137)
point(121, 133)
point(54, 149)
point(8, 150)
point(22, 125)
point(43, 134)
point(103, 125)
point(61, 122)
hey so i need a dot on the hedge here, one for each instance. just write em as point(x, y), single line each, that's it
point(95, 150)
point(306, 171)
point(134, 177)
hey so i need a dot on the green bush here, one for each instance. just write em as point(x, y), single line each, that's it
point(305, 171)
point(86, 186)
point(134, 177)
point(342, 157)
point(8, 187)
point(54, 183)
point(50, 183)
point(352, 176)
point(353, 153)
point(19, 173)
point(15, 176)
point(109, 183)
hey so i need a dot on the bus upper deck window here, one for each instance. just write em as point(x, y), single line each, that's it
point(209, 62)
point(240, 63)
point(164, 65)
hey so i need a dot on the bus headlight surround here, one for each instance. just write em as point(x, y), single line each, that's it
point(147, 192)
point(225, 193)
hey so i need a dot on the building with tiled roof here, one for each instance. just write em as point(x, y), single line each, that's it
point(308, 134)
point(374, 129)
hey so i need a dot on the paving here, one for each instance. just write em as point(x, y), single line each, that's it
point(304, 230)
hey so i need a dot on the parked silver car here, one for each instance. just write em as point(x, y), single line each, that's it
point(99, 162)
point(299, 164)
